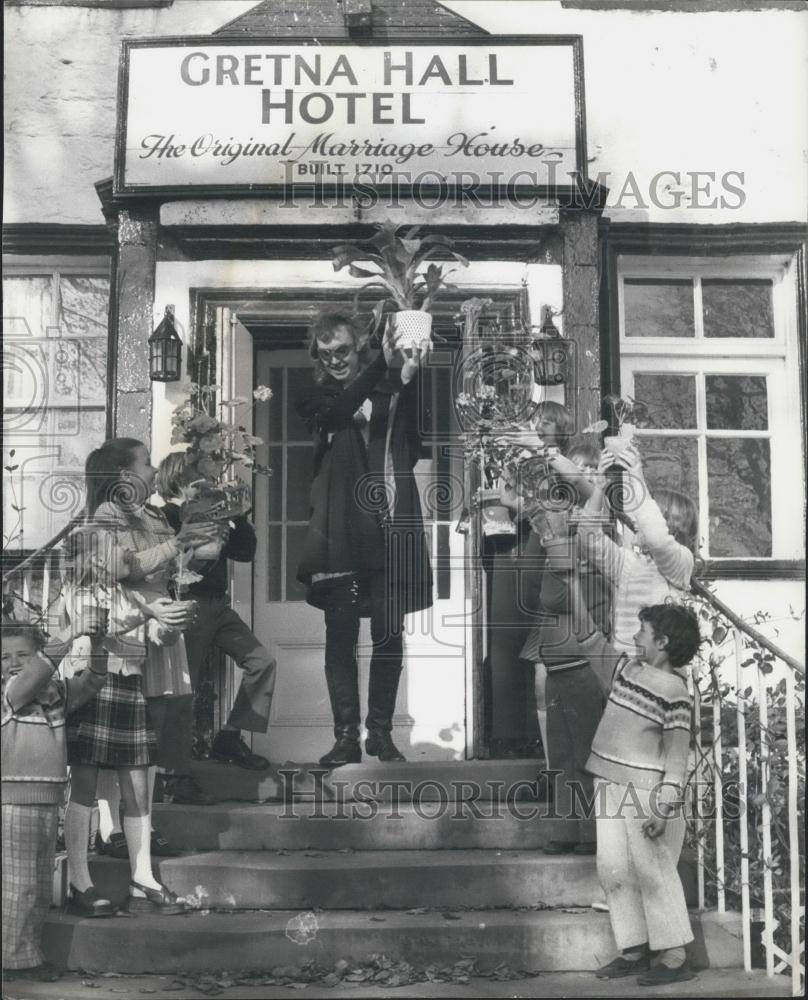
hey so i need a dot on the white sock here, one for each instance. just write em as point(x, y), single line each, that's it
point(672, 958)
point(138, 842)
point(542, 714)
point(77, 834)
point(109, 804)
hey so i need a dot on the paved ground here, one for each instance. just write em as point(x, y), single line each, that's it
point(712, 983)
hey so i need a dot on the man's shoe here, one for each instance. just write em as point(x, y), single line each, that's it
point(229, 747)
point(115, 847)
point(187, 791)
point(380, 744)
point(345, 751)
point(661, 975)
point(621, 967)
point(89, 903)
point(559, 847)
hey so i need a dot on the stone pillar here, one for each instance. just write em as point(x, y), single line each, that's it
point(581, 282)
point(134, 316)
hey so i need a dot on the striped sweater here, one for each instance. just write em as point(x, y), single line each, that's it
point(641, 579)
point(644, 736)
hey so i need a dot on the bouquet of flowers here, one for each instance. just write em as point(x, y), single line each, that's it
point(627, 414)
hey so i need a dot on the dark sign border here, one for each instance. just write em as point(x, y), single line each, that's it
point(123, 190)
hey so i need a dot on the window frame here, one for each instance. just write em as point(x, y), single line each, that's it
point(56, 267)
point(776, 357)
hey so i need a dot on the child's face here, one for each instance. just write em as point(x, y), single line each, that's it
point(649, 647)
point(17, 651)
point(140, 474)
point(547, 429)
point(117, 561)
point(585, 467)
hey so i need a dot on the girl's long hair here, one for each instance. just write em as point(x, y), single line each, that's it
point(680, 515)
point(102, 474)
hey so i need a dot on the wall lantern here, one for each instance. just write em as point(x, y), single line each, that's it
point(550, 352)
point(165, 350)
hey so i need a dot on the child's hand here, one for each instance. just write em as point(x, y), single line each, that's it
point(197, 532)
point(631, 461)
point(654, 826)
point(508, 496)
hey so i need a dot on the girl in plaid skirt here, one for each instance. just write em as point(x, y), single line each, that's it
point(114, 730)
point(34, 701)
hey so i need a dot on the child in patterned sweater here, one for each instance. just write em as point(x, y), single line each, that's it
point(34, 703)
point(639, 762)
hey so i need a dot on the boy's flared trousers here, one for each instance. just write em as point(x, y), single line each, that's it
point(639, 875)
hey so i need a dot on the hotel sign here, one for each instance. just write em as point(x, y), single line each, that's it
point(219, 115)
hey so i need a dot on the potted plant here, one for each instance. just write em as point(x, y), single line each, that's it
point(627, 413)
point(401, 267)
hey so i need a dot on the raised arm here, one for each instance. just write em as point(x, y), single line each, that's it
point(330, 409)
point(32, 679)
point(86, 685)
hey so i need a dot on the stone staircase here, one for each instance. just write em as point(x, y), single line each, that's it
point(425, 862)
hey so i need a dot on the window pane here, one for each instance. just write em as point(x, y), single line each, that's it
point(737, 307)
point(737, 402)
point(670, 399)
point(671, 463)
point(83, 307)
point(275, 483)
point(298, 482)
point(658, 307)
point(27, 305)
point(295, 537)
point(275, 431)
point(299, 378)
point(738, 478)
point(274, 555)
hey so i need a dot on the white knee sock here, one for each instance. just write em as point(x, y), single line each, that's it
point(109, 804)
point(77, 835)
point(542, 714)
point(138, 841)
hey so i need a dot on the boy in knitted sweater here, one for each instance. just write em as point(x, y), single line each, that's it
point(34, 779)
point(639, 761)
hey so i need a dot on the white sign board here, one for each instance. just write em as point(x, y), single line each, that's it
point(231, 114)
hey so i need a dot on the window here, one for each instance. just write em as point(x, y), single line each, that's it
point(710, 347)
point(54, 381)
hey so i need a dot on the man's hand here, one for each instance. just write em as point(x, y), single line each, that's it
point(195, 533)
point(168, 613)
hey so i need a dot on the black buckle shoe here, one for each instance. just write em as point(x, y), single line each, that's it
point(345, 751)
point(89, 903)
point(231, 749)
point(380, 744)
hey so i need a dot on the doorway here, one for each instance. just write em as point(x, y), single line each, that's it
point(258, 339)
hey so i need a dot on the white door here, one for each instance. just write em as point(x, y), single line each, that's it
point(430, 719)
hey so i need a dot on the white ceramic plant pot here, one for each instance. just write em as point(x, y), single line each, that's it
point(617, 444)
point(412, 327)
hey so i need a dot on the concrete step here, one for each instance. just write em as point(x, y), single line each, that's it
point(302, 825)
point(548, 941)
point(708, 983)
point(424, 781)
point(396, 880)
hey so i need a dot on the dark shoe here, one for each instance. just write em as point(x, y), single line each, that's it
point(115, 847)
point(380, 744)
point(162, 848)
point(89, 903)
point(230, 748)
point(345, 751)
point(621, 967)
point(661, 975)
point(587, 847)
point(186, 791)
point(559, 847)
point(160, 900)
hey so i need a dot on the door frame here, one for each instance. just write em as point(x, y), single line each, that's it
point(296, 307)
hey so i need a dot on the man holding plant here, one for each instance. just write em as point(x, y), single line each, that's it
point(365, 553)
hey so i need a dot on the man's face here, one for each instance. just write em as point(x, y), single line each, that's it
point(339, 356)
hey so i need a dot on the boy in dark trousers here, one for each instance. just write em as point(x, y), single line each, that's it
point(218, 626)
